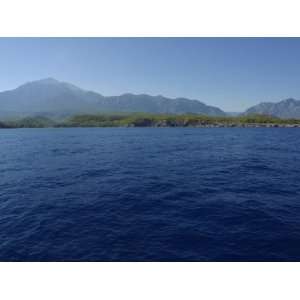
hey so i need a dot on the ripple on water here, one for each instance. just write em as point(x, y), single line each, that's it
point(179, 194)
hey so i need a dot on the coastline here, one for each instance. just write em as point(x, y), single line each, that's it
point(152, 120)
point(169, 126)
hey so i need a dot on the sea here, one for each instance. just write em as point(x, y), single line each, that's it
point(150, 194)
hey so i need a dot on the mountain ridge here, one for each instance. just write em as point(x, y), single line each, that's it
point(284, 109)
point(52, 96)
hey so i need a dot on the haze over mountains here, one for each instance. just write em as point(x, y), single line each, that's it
point(50, 97)
point(289, 108)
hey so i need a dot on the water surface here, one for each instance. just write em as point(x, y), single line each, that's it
point(150, 194)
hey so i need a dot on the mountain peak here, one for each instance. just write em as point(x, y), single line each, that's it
point(51, 83)
point(52, 96)
point(289, 100)
point(48, 80)
point(287, 108)
point(45, 81)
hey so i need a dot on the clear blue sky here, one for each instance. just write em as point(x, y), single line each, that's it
point(231, 73)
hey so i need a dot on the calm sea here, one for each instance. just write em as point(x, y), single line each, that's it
point(150, 194)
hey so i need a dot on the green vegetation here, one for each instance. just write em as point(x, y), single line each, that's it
point(30, 122)
point(160, 120)
point(152, 120)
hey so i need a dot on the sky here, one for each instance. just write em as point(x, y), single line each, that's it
point(230, 73)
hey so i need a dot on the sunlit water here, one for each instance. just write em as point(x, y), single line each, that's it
point(150, 194)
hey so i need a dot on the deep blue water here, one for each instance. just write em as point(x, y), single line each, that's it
point(150, 194)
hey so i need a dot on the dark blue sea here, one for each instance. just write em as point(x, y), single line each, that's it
point(150, 194)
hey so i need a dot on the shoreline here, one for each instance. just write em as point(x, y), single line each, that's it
point(149, 120)
point(158, 126)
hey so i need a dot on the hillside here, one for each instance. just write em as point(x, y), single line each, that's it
point(50, 98)
point(285, 109)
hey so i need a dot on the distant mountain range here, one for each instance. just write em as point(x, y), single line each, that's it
point(53, 98)
point(285, 109)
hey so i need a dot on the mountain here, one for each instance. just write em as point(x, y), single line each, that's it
point(285, 109)
point(51, 97)
point(158, 104)
point(47, 96)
